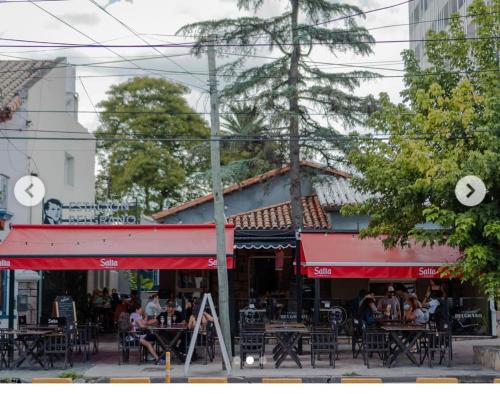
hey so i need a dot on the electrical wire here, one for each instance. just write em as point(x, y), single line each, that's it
point(92, 39)
point(142, 39)
point(191, 45)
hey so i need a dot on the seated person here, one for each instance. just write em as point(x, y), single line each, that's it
point(146, 339)
point(368, 309)
point(414, 313)
point(206, 317)
point(171, 312)
point(153, 307)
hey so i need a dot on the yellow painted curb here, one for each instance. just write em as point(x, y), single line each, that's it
point(360, 380)
point(129, 380)
point(207, 380)
point(281, 380)
point(437, 380)
point(51, 380)
point(497, 380)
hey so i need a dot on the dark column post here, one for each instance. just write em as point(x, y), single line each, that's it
point(298, 277)
point(12, 283)
point(316, 300)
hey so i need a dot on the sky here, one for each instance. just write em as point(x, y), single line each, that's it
point(157, 21)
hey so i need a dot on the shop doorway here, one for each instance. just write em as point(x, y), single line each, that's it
point(263, 276)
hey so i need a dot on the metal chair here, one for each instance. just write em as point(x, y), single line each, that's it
point(205, 341)
point(324, 342)
point(127, 341)
point(252, 342)
point(439, 341)
point(375, 341)
point(60, 345)
point(82, 341)
point(6, 348)
point(356, 338)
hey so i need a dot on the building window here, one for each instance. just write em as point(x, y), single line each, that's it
point(4, 182)
point(69, 169)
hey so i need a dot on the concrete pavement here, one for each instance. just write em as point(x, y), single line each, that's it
point(105, 365)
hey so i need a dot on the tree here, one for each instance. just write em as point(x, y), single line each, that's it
point(447, 127)
point(290, 89)
point(146, 144)
point(247, 151)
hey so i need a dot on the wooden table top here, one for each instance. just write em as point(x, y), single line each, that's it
point(173, 327)
point(404, 328)
point(29, 332)
point(286, 327)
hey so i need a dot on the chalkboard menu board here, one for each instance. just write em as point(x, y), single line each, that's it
point(65, 307)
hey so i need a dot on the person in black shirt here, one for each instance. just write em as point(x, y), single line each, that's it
point(174, 315)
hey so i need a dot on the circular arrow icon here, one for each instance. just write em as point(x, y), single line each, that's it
point(470, 190)
point(29, 191)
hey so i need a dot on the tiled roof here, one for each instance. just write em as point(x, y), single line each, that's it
point(242, 185)
point(278, 217)
point(16, 75)
point(334, 191)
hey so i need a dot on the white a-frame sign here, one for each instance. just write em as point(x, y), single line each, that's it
point(207, 297)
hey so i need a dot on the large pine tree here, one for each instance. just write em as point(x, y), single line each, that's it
point(291, 89)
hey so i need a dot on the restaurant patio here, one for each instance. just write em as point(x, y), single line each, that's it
point(105, 364)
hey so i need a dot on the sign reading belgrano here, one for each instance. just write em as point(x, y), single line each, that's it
point(110, 212)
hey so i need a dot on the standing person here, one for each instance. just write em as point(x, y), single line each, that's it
point(146, 339)
point(436, 287)
point(153, 307)
point(389, 305)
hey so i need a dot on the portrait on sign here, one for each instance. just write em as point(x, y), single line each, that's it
point(52, 211)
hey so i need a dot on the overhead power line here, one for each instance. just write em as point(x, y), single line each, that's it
point(283, 138)
point(49, 44)
point(142, 39)
point(93, 40)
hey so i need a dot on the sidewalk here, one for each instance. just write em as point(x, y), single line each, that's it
point(105, 365)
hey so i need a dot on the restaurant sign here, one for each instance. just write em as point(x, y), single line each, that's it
point(110, 212)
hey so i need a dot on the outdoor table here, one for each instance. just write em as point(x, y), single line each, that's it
point(28, 344)
point(403, 343)
point(169, 346)
point(288, 336)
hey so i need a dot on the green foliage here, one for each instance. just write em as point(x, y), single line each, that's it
point(155, 172)
point(249, 152)
point(71, 374)
point(271, 88)
point(447, 127)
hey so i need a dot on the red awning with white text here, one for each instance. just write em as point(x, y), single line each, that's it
point(120, 247)
point(341, 255)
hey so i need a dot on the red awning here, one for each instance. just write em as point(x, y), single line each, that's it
point(120, 247)
point(340, 255)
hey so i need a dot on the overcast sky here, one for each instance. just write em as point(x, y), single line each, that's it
point(165, 17)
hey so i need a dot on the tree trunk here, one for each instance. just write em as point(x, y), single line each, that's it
point(293, 79)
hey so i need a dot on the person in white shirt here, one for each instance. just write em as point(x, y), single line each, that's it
point(153, 307)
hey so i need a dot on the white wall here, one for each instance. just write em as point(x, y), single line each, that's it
point(56, 91)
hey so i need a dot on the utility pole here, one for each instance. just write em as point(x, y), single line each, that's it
point(218, 201)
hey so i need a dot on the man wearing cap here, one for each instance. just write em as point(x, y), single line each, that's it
point(389, 305)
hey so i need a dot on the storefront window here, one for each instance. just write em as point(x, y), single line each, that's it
point(191, 283)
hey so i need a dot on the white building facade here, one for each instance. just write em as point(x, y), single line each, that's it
point(425, 15)
point(38, 102)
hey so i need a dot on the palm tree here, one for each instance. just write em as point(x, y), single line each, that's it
point(248, 147)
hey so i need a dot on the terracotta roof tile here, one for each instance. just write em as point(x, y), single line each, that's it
point(16, 75)
point(242, 185)
point(277, 217)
